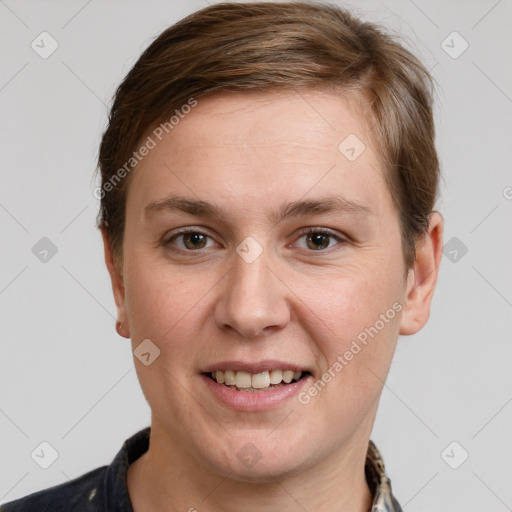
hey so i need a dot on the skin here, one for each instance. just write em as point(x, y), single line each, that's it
point(249, 154)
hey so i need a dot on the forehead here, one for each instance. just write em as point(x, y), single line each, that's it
point(295, 121)
point(238, 144)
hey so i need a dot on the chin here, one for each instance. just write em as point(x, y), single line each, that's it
point(266, 464)
point(261, 473)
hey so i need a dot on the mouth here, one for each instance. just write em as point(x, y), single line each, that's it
point(255, 386)
point(244, 381)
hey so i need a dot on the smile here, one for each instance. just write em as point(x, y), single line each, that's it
point(254, 382)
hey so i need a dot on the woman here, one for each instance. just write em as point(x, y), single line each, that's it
point(269, 177)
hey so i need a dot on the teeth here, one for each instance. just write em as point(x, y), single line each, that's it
point(276, 376)
point(243, 380)
point(288, 376)
point(229, 378)
point(247, 381)
point(260, 380)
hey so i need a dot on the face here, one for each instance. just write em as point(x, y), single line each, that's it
point(254, 244)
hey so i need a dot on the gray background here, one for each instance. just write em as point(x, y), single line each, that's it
point(68, 379)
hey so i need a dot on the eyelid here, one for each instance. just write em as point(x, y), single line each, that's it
point(319, 229)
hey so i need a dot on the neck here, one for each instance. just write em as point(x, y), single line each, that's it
point(335, 484)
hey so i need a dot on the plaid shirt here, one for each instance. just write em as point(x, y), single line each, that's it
point(379, 483)
point(105, 490)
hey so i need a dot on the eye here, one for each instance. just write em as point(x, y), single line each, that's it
point(318, 239)
point(190, 240)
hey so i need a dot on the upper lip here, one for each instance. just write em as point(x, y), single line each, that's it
point(256, 367)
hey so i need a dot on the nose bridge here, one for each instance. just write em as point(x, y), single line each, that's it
point(252, 300)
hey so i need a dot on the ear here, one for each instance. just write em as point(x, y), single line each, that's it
point(116, 278)
point(422, 277)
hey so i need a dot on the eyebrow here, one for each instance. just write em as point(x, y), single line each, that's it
point(200, 208)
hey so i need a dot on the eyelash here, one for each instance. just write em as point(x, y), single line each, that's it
point(306, 231)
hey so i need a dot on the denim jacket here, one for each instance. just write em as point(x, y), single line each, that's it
point(105, 489)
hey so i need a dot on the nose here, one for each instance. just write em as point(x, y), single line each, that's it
point(253, 299)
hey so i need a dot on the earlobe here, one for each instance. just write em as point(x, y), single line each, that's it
point(122, 326)
point(422, 278)
point(121, 330)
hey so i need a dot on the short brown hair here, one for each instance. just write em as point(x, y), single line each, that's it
point(267, 46)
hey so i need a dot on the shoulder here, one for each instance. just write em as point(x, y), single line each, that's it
point(99, 490)
point(76, 495)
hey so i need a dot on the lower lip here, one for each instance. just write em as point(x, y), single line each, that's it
point(254, 400)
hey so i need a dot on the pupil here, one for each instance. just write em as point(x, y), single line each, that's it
point(319, 240)
point(195, 239)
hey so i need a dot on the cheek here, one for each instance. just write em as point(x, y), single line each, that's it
point(354, 323)
point(349, 300)
point(166, 305)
